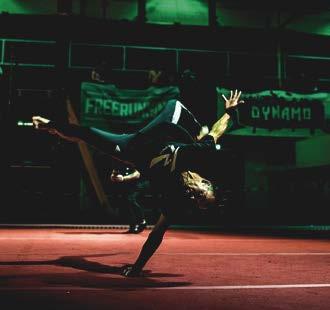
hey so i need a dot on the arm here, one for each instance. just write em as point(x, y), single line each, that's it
point(116, 176)
point(203, 132)
point(219, 128)
point(133, 176)
point(154, 240)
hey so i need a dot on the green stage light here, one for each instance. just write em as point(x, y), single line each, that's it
point(185, 12)
point(28, 7)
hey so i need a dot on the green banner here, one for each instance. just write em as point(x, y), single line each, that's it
point(108, 107)
point(281, 113)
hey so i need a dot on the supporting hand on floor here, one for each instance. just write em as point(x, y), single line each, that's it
point(131, 271)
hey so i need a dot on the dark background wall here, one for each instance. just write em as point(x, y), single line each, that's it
point(46, 54)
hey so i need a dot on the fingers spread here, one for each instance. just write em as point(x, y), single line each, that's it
point(233, 99)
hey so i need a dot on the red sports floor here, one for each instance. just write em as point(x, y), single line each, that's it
point(63, 268)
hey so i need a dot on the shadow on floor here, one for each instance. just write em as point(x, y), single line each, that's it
point(91, 278)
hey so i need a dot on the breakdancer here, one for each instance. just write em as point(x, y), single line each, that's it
point(168, 151)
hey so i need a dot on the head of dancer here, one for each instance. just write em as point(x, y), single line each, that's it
point(198, 189)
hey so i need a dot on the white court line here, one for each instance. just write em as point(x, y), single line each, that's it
point(239, 287)
point(202, 254)
point(206, 254)
point(243, 254)
point(113, 237)
point(206, 287)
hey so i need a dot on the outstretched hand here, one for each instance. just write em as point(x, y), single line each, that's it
point(231, 112)
point(233, 101)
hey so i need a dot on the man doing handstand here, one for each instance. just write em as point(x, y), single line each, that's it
point(167, 151)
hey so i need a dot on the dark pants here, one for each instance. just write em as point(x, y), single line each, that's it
point(181, 127)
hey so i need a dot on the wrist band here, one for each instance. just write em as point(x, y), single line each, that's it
point(233, 113)
point(234, 116)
